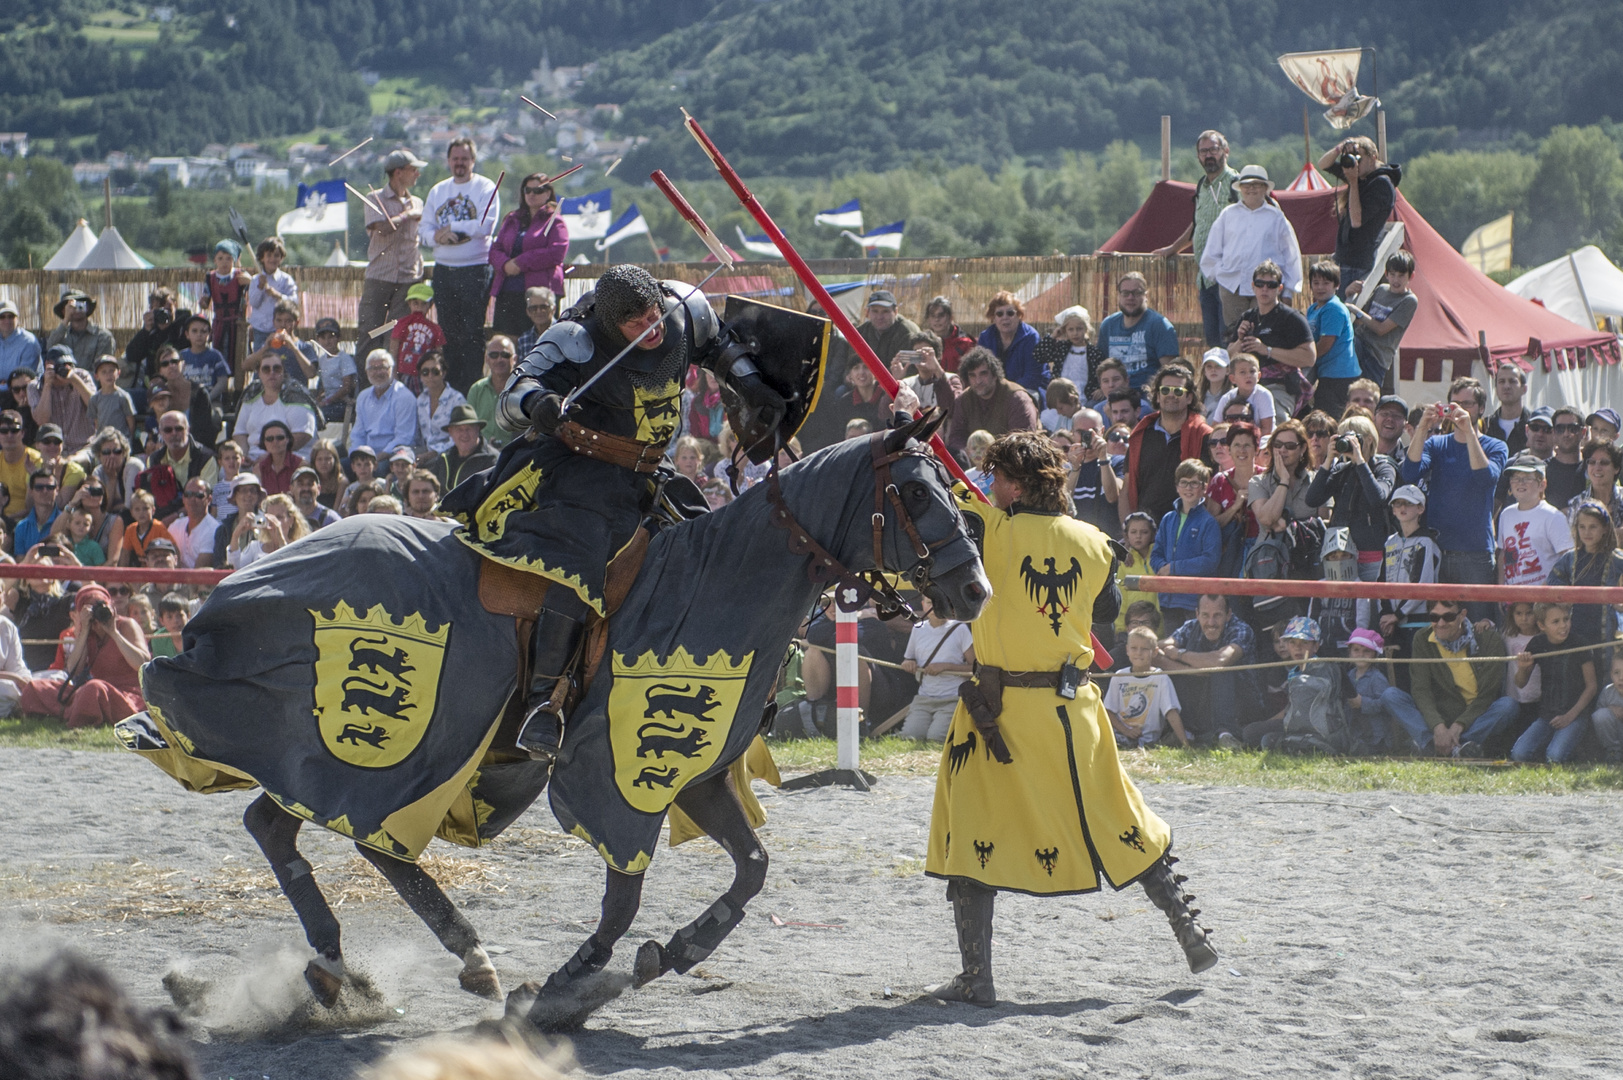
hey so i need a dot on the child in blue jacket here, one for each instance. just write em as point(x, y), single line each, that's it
point(1189, 542)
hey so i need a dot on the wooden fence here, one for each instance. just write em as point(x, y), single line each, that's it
point(1044, 285)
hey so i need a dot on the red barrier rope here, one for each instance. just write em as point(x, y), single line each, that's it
point(1377, 590)
point(139, 575)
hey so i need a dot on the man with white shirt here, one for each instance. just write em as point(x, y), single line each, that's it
point(458, 225)
point(1246, 234)
point(194, 530)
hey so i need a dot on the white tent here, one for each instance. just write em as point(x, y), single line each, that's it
point(74, 249)
point(112, 253)
point(337, 258)
point(1582, 287)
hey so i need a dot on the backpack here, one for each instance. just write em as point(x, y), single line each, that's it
point(1315, 718)
point(1268, 560)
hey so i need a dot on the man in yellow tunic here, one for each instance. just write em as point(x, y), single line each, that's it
point(1030, 796)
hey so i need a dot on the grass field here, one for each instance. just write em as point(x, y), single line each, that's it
point(1217, 768)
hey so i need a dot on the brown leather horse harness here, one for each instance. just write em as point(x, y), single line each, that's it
point(854, 589)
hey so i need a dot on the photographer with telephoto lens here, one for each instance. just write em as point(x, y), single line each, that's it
point(94, 681)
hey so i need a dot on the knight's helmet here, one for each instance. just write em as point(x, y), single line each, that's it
point(1339, 555)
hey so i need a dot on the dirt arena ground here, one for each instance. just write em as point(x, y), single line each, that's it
point(1368, 935)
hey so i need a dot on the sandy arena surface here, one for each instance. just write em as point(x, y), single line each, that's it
point(1366, 935)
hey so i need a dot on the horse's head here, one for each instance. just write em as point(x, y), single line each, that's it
point(924, 533)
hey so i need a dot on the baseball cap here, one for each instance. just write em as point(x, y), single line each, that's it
point(1393, 399)
point(1215, 356)
point(245, 479)
point(47, 432)
point(1527, 463)
point(305, 470)
point(421, 291)
point(158, 543)
point(362, 451)
point(1409, 493)
point(1369, 639)
point(60, 353)
point(399, 158)
point(1608, 416)
point(882, 297)
point(1543, 414)
point(8, 308)
point(1301, 628)
point(403, 454)
point(204, 319)
point(325, 325)
point(105, 359)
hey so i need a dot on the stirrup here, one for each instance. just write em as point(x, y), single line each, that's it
point(541, 735)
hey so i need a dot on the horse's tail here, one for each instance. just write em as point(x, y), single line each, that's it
point(685, 688)
point(382, 688)
point(674, 730)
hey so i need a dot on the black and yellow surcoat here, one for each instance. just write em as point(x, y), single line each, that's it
point(1063, 812)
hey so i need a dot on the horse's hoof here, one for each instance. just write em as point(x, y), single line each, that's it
point(650, 964)
point(520, 1000)
point(478, 975)
point(326, 979)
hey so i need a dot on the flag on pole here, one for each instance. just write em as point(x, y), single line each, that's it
point(760, 245)
point(848, 216)
point(587, 215)
point(887, 237)
point(1488, 248)
point(322, 207)
point(1330, 78)
point(630, 223)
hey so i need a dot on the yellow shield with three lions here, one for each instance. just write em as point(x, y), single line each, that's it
point(668, 721)
point(377, 682)
point(658, 412)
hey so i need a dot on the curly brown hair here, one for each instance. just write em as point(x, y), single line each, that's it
point(1029, 459)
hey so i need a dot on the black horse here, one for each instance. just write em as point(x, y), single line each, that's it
point(714, 606)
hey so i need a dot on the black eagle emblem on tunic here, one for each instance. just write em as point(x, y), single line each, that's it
point(1052, 588)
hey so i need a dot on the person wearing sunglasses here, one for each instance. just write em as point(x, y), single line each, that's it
point(1279, 336)
point(1014, 342)
point(35, 525)
point(18, 347)
point(1462, 705)
point(435, 405)
point(274, 396)
point(17, 461)
point(1174, 433)
point(1566, 473)
point(528, 253)
point(540, 307)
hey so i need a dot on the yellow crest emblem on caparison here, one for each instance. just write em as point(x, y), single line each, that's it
point(377, 682)
point(669, 720)
point(658, 412)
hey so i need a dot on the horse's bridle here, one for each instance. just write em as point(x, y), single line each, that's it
point(854, 588)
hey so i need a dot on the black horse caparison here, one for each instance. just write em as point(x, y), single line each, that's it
point(832, 497)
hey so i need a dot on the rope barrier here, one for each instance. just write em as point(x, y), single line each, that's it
point(1375, 590)
point(1375, 660)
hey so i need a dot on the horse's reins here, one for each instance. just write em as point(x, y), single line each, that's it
point(868, 584)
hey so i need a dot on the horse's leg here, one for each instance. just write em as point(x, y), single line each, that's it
point(277, 832)
point(570, 994)
point(423, 895)
point(714, 807)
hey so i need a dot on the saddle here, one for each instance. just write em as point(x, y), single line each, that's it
point(518, 594)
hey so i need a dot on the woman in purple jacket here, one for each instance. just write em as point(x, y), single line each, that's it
point(529, 251)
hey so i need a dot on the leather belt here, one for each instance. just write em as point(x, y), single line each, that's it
point(618, 450)
point(1033, 680)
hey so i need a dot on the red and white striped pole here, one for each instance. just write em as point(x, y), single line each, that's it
point(846, 699)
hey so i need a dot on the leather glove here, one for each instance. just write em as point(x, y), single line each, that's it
point(547, 413)
point(765, 403)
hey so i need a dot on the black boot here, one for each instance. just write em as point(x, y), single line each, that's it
point(1166, 892)
point(972, 914)
point(552, 656)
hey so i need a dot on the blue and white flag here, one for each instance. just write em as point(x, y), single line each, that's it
point(885, 236)
point(760, 245)
point(323, 207)
point(848, 216)
point(587, 215)
point(630, 223)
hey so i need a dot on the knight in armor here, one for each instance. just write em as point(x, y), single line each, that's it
point(1030, 795)
point(570, 493)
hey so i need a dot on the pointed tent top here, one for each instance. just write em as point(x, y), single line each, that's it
point(1309, 179)
point(337, 258)
point(112, 253)
point(73, 250)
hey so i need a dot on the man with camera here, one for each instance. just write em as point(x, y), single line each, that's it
point(1092, 481)
point(932, 384)
point(86, 339)
point(63, 396)
point(102, 654)
point(18, 347)
point(163, 324)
